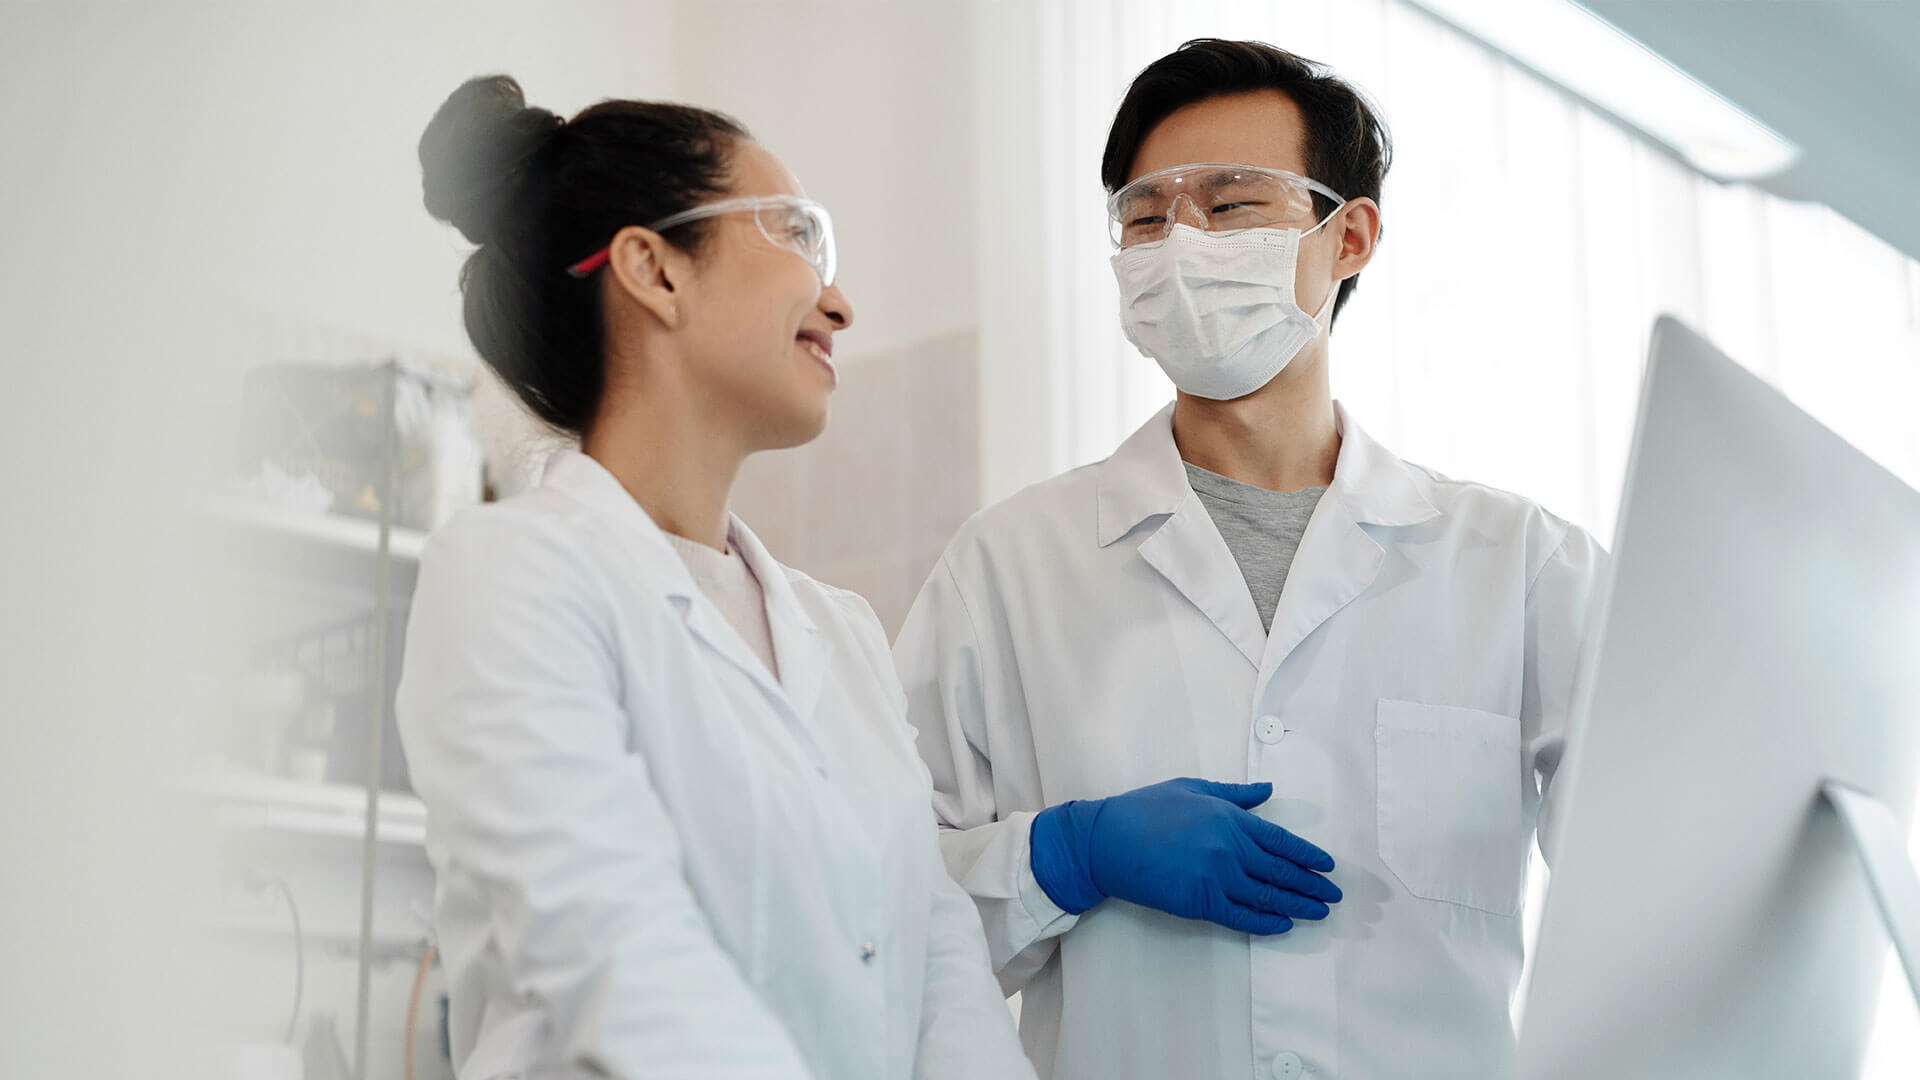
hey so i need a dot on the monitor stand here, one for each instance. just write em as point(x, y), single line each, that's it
point(1882, 844)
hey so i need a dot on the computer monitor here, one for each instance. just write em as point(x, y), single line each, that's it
point(1730, 840)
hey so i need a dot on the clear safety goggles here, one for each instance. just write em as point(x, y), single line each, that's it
point(1215, 197)
point(789, 221)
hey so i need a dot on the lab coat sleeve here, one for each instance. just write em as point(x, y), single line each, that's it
point(951, 691)
point(1558, 602)
point(511, 711)
point(966, 1029)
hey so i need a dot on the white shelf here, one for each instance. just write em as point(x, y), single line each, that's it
point(336, 811)
point(389, 943)
point(305, 551)
point(329, 530)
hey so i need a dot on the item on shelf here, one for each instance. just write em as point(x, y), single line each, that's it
point(307, 758)
point(256, 1061)
point(307, 764)
point(325, 422)
point(271, 703)
point(278, 487)
point(322, 1055)
point(354, 709)
point(325, 737)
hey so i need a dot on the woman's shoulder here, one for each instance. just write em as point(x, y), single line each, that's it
point(541, 557)
point(539, 525)
point(822, 602)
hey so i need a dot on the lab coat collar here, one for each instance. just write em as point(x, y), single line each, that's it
point(590, 484)
point(1336, 561)
point(800, 649)
point(1376, 485)
point(1145, 478)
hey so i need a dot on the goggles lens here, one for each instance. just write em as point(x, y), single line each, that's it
point(1213, 197)
point(800, 225)
point(789, 221)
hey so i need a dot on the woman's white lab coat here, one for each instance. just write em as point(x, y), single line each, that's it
point(652, 856)
point(1093, 634)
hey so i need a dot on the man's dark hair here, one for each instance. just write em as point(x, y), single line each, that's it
point(1347, 145)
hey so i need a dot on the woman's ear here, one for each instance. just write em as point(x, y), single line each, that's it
point(1359, 227)
point(647, 268)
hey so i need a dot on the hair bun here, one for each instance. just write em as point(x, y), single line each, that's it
point(475, 151)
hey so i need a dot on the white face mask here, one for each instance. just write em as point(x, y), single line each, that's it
point(1216, 309)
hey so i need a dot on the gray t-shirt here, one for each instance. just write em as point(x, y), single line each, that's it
point(1262, 528)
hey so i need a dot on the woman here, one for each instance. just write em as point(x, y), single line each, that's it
point(678, 820)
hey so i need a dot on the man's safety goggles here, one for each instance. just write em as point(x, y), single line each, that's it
point(1214, 197)
point(797, 224)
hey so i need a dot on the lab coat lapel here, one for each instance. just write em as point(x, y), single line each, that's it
point(1339, 556)
point(710, 626)
point(1145, 478)
point(799, 650)
point(802, 651)
point(1336, 561)
point(1189, 552)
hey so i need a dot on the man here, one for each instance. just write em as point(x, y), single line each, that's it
point(1370, 664)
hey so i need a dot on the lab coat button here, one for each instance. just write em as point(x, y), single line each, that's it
point(1286, 1066)
point(867, 952)
point(1269, 730)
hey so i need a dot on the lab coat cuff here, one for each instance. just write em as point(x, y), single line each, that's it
point(1046, 918)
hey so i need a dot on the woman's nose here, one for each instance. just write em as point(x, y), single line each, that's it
point(833, 304)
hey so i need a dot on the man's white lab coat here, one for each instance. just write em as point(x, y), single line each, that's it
point(1093, 634)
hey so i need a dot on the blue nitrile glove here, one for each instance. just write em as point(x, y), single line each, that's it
point(1185, 847)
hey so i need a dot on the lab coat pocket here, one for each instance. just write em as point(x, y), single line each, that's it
point(1449, 803)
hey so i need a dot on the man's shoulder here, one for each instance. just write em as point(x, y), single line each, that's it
point(1498, 512)
point(1060, 508)
point(1456, 496)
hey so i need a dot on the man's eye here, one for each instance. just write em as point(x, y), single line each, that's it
point(1227, 207)
point(1153, 219)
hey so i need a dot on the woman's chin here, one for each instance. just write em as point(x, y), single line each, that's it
point(797, 428)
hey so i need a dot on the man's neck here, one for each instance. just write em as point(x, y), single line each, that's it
point(1281, 437)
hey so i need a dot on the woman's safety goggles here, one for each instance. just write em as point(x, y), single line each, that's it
point(797, 224)
point(1213, 197)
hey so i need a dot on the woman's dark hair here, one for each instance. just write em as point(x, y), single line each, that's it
point(539, 193)
point(1347, 145)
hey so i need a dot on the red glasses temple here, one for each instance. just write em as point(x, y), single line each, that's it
point(591, 263)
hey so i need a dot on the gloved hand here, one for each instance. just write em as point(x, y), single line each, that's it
point(1185, 847)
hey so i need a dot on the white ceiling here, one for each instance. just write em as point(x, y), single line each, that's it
point(1840, 78)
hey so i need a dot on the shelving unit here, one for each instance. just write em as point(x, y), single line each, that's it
point(315, 611)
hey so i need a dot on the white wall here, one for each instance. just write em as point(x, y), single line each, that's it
point(869, 102)
point(1021, 332)
point(319, 111)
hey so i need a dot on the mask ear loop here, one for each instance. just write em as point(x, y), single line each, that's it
point(1326, 306)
